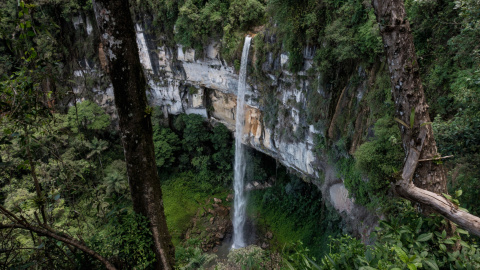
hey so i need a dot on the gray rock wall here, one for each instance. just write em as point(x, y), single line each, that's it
point(185, 81)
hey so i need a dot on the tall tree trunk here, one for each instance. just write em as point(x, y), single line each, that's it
point(408, 93)
point(422, 178)
point(126, 73)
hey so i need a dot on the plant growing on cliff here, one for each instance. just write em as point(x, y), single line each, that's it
point(403, 241)
point(378, 160)
point(200, 21)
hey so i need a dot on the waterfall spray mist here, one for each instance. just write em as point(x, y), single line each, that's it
point(240, 201)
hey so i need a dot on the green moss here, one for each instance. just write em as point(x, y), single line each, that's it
point(183, 197)
point(294, 211)
point(192, 90)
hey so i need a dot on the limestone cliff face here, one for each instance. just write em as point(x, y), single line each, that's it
point(185, 81)
point(203, 84)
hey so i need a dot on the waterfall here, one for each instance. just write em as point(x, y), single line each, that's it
point(240, 200)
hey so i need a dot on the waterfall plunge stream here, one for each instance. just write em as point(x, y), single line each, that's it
point(240, 201)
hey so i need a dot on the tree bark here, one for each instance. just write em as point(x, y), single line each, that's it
point(420, 182)
point(126, 73)
point(408, 93)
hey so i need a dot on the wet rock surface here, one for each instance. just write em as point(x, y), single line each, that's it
point(211, 224)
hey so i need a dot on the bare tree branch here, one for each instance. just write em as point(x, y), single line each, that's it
point(45, 230)
point(63, 238)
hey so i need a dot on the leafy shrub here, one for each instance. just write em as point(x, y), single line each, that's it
point(223, 157)
point(460, 136)
point(192, 258)
point(194, 131)
point(404, 241)
point(199, 22)
point(342, 30)
point(251, 257)
point(245, 13)
point(127, 237)
point(166, 144)
point(367, 176)
point(115, 179)
point(164, 14)
point(87, 115)
point(294, 211)
point(379, 160)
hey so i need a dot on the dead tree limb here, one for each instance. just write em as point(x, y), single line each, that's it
point(63, 238)
point(420, 182)
point(44, 230)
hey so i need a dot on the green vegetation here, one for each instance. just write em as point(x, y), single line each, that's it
point(75, 153)
point(450, 63)
point(127, 237)
point(86, 116)
point(403, 241)
point(87, 192)
point(192, 146)
point(345, 30)
point(80, 195)
point(380, 160)
point(194, 24)
point(191, 257)
point(183, 196)
point(294, 211)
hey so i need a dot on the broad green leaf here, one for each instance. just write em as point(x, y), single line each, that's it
point(447, 196)
point(369, 255)
point(289, 265)
point(411, 266)
point(419, 225)
point(403, 256)
point(424, 237)
point(431, 264)
point(367, 268)
point(401, 122)
point(464, 244)
point(458, 193)
point(313, 263)
point(449, 241)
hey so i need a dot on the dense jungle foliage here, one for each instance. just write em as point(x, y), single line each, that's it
point(53, 135)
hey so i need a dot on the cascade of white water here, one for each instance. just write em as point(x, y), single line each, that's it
point(240, 200)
